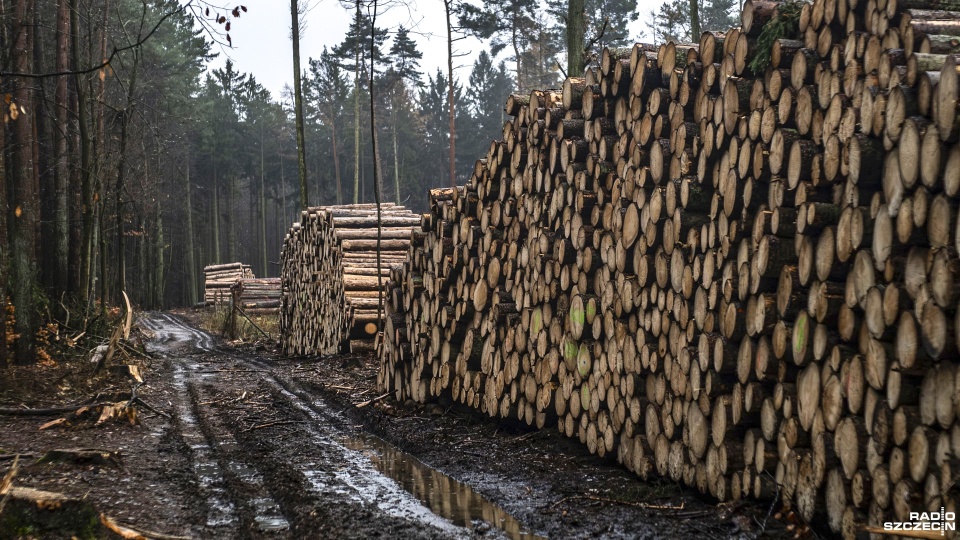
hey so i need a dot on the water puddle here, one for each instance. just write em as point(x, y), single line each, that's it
point(440, 493)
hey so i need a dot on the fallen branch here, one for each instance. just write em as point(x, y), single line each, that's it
point(49, 411)
point(130, 533)
point(277, 423)
point(363, 404)
point(645, 506)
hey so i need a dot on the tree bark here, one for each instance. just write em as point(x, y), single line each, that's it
point(61, 171)
point(450, 97)
point(125, 116)
point(576, 34)
point(191, 244)
point(298, 102)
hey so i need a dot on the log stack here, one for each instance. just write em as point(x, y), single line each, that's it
point(745, 282)
point(218, 278)
point(257, 295)
point(329, 275)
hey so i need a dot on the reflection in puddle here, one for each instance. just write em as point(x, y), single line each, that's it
point(443, 495)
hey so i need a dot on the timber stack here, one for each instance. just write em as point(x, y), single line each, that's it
point(330, 292)
point(218, 278)
point(745, 281)
point(257, 295)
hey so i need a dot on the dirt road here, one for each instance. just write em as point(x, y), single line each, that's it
point(262, 447)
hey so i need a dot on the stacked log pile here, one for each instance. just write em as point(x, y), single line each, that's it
point(329, 275)
point(257, 295)
point(218, 278)
point(747, 282)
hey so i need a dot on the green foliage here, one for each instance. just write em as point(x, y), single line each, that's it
point(785, 24)
point(672, 21)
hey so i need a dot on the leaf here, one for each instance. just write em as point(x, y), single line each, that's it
point(14, 112)
point(236, 12)
point(208, 12)
point(222, 19)
point(227, 28)
point(18, 211)
point(244, 8)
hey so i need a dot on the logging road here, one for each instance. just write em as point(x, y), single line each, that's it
point(260, 446)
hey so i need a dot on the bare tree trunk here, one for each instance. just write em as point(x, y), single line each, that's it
point(125, 116)
point(216, 213)
point(86, 176)
point(450, 97)
point(25, 199)
point(336, 155)
point(396, 159)
point(516, 51)
point(356, 119)
point(694, 20)
point(191, 257)
point(576, 34)
point(263, 211)
point(377, 174)
point(231, 219)
point(298, 102)
point(61, 171)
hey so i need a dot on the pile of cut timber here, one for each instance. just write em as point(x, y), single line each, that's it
point(747, 282)
point(258, 295)
point(329, 275)
point(218, 278)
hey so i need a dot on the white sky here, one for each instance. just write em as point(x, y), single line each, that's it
point(261, 37)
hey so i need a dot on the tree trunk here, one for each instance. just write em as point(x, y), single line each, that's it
point(61, 171)
point(191, 248)
point(125, 116)
point(396, 159)
point(298, 103)
point(216, 213)
point(694, 20)
point(263, 211)
point(336, 155)
point(576, 33)
point(86, 178)
point(356, 119)
point(450, 97)
point(25, 199)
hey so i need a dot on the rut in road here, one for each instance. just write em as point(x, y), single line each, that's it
point(260, 483)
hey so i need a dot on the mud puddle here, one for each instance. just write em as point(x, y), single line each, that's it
point(442, 494)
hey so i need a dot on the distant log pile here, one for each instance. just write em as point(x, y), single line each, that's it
point(257, 295)
point(218, 278)
point(747, 282)
point(329, 275)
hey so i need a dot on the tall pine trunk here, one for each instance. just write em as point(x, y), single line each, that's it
point(576, 34)
point(694, 20)
point(191, 244)
point(298, 103)
point(216, 214)
point(356, 119)
point(336, 154)
point(263, 210)
point(125, 117)
point(61, 171)
point(450, 96)
point(87, 211)
point(25, 198)
point(396, 159)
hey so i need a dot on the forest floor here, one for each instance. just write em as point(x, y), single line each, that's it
point(260, 446)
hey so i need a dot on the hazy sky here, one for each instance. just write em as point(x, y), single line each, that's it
point(261, 37)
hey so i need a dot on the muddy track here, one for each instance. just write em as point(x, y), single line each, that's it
point(275, 453)
point(306, 472)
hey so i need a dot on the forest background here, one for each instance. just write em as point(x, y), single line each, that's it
point(131, 157)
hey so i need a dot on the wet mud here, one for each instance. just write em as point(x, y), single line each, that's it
point(260, 446)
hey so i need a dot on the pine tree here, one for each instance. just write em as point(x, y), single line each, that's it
point(404, 71)
point(506, 23)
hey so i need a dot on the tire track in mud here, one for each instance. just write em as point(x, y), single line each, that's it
point(220, 476)
point(330, 464)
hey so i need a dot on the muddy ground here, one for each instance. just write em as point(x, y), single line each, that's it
point(259, 446)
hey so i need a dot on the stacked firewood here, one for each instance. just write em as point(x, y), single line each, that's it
point(744, 281)
point(330, 275)
point(257, 295)
point(218, 278)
